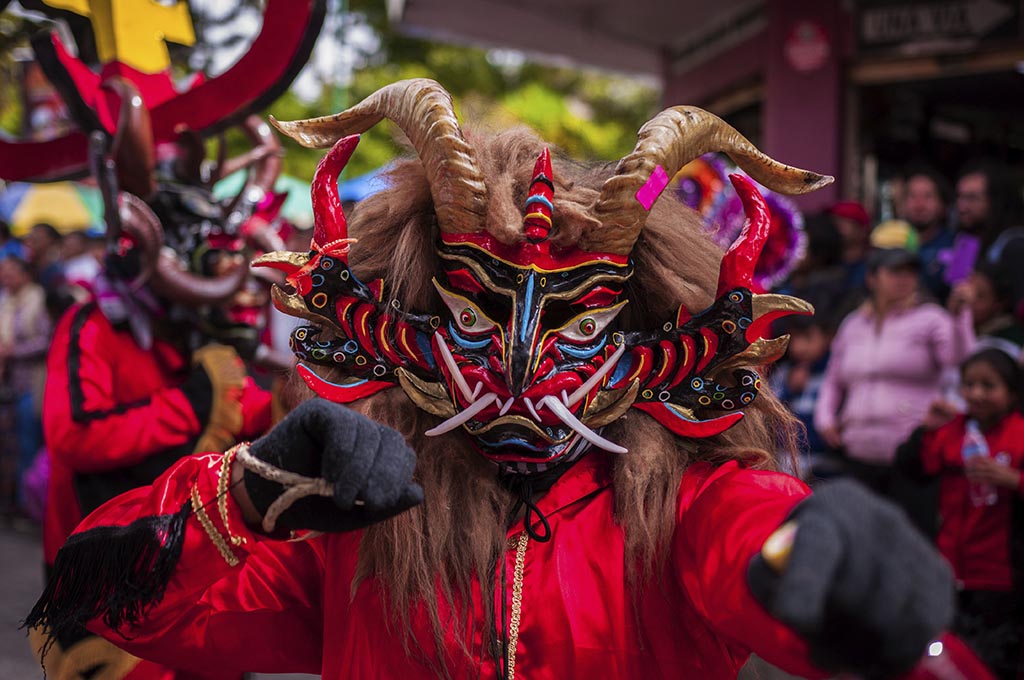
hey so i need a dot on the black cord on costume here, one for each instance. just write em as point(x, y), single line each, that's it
point(523, 487)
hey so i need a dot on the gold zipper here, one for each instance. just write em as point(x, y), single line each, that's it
point(517, 604)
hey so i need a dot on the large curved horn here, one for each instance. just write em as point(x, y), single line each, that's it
point(423, 110)
point(138, 221)
point(264, 159)
point(173, 282)
point(670, 140)
point(267, 167)
point(263, 162)
point(133, 150)
point(190, 152)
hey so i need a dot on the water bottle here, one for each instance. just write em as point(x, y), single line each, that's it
point(975, 445)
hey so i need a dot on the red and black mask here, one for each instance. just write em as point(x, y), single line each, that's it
point(526, 357)
point(529, 338)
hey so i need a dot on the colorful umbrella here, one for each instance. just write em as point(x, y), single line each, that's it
point(68, 206)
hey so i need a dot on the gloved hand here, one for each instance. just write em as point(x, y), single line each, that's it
point(368, 466)
point(214, 388)
point(861, 585)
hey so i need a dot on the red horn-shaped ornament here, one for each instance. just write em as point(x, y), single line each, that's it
point(330, 230)
point(539, 204)
point(737, 269)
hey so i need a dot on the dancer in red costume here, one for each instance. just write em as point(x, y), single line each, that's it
point(151, 369)
point(582, 484)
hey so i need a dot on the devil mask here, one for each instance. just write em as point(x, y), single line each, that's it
point(526, 357)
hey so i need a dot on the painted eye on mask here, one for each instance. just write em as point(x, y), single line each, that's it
point(468, 317)
point(590, 324)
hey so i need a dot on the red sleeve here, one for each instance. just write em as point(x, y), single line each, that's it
point(87, 427)
point(1018, 465)
point(725, 515)
point(249, 605)
point(256, 411)
point(936, 452)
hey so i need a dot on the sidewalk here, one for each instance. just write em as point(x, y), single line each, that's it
point(21, 581)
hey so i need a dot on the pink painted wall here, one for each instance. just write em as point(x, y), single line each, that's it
point(739, 64)
point(802, 112)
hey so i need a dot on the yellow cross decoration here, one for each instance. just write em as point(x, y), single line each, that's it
point(134, 32)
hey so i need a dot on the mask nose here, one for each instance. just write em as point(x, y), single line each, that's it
point(517, 371)
point(522, 336)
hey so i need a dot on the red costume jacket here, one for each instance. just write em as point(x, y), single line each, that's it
point(975, 540)
point(114, 417)
point(289, 607)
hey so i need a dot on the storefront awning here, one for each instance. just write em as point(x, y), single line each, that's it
point(631, 36)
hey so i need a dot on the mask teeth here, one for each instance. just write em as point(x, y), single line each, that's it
point(449, 361)
point(540, 202)
point(595, 379)
point(531, 408)
point(508, 405)
point(566, 416)
point(463, 416)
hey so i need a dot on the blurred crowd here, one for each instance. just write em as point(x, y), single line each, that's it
point(41, 275)
point(908, 377)
point(899, 305)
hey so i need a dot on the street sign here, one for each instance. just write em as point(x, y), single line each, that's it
point(904, 24)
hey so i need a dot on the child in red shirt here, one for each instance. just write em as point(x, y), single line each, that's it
point(980, 504)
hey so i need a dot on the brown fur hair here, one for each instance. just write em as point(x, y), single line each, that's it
point(458, 533)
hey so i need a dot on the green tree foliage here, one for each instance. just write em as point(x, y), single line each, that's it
point(584, 113)
point(14, 36)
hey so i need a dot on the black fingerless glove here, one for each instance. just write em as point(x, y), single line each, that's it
point(861, 585)
point(368, 466)
point(198, 389)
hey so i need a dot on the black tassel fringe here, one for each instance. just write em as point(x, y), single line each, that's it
point(112, 573)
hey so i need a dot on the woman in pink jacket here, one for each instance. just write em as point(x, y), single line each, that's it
point(888, 359)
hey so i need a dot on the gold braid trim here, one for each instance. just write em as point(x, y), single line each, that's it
point(296, 486)
point(222, 492)
point(517, 603)
point(211, 531)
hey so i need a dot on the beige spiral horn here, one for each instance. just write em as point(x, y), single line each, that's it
point(423, 110)
point(672, 139)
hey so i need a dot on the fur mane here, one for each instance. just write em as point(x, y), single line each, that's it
point(459, 532)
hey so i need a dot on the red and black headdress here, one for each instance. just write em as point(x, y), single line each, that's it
point(527, 359)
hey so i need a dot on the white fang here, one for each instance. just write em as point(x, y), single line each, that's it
point(449, 361)
point(462, 417)
point(596, 379)
point(566, 416)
